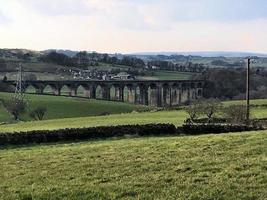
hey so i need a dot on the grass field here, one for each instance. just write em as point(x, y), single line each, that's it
point(169, 75)
point(175, 117)
point(66, 107)
point(227, 166)
point(77, 112)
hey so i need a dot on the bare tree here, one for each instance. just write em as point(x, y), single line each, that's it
point(210, 107)
point(235, 114)
point(193, 110)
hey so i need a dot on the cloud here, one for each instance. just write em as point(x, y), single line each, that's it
point(4, 19)
point(59, 7)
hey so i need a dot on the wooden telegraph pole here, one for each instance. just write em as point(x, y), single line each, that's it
point(248, 88)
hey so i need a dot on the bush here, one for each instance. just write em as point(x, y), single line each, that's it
point(236, 114)
point(38, 113)
point(193, 110)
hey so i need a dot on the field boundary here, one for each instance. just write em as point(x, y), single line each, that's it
point(104, 132)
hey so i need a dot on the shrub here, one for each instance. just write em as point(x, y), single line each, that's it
point(236, 114)
point(210, 107)
point(38, 113)
point(193, 110)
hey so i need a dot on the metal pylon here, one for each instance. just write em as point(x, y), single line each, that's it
point(19, 91)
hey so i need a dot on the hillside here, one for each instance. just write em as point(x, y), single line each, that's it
point(66, 107)
point(227, 166)
point(66, 112)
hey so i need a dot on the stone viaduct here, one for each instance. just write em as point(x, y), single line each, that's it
point(146, 92)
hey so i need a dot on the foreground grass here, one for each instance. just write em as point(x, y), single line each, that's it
point(67, 107)
point(227, 166)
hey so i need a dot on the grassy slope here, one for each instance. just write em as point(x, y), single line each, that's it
point(66, 107)
point(175, 117)
point(227, 166)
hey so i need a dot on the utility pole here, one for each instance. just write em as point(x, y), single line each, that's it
point(248, 88)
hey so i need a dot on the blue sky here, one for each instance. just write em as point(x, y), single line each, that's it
point(135, 25)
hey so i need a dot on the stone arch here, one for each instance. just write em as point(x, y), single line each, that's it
point(31, 89)
point(99, 92)
point(83, 91)
point(175, 94)
point(166, 94)
point(65, 90)
point(199, 92)
point(48, 89)
point(113, 92)
point(143, 99)
point(152, 94)
point(129, 93)
point(137, 94)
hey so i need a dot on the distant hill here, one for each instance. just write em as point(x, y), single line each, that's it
point(69, 53)
point(204, 54)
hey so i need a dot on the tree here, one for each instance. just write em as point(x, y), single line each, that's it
point(15, 107)
point(193, 110)
point(210, 107)
point(236, 114)
point(38, 113)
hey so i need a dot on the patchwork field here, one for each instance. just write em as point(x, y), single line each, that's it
point(227, 166)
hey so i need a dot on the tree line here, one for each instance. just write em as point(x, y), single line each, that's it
point(225, 83)
point(84, 59)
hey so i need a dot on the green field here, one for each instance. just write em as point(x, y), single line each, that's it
point(67, 112)
point(175, 117)
point(169, 75)
point(66, 107)
point(227, 166)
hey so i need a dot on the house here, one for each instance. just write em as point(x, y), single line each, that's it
point(123, 76)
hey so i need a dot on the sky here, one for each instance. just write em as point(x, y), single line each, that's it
point(128, 26)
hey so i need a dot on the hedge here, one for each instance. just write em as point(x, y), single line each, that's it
point(195, 129)
point(45, 136)
point(103, 132)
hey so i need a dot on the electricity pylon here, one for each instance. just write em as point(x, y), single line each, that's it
point(19, 91)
